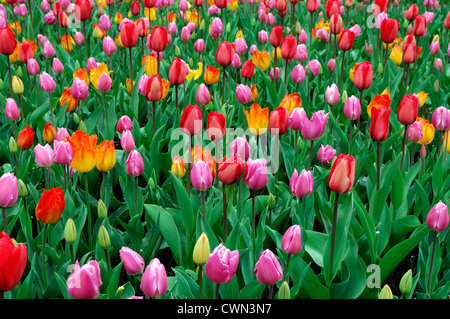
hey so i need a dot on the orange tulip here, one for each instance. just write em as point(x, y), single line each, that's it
point(49, 133)
point(382, 99)
point(50, 206)
point(166, 86)
point(67, 43)
point(106, 156)
point(257, 119)
point(212, 75)
point(178, 166)
point(291, 101)
point(66, 97)
point(84, 148)
point(151, 64)
point(82, 74)
point(428, 131)
point(261, 59)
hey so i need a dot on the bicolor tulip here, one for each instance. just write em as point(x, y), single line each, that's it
point(106, 156)
point(342, 175)
point(84, 148)
point(216, 126)
point(25, 138)
point(363, 76)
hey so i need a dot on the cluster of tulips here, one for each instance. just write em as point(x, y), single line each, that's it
point(286, 88)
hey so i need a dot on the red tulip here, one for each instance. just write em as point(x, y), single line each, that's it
point(279, 121)
point(25, 52)
point(198, 3)
point(216, 126)
point(379, 125)
point(221, 3)
point(336, 24)
point(420, 26)
point(129, 34)
point(382, 5)
point(141, 27)
point(153, 88)
point(231, 170)
point(248, 69)
point(64, 20)
point(276, 36)
point(50, 206)
point(412, 12)
point(135, 8)
point(446, 23)
point(191, 120)
point(289, 47)
point(9, 42)
point(389, 30)
point(177, 72)
point(342, 174)
point(312, 5)
point(363, 76)
point(13, 259)
point(409, 53)
point(224, 54)
point(408, 109)
point(149, 3)
point(281, 7)
point(346, 40)
point(56, 9)
point(25, 138)
point(158, 39)
point(332, 7)
point(82, 10)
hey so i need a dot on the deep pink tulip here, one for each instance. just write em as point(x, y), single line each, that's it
point(199, 46)
point(127, 141)
point(78, 38)
point(314, 128)
point(291, 242)
point(46, 82)
point(298, 74)
point(331, 65)
point(62, 153)
point(268, 270)
point(85, 281)
point(437, 217)
point(243, 94)
point(441, 118)
point(57, 66)
point(104, 82)
point(240, 147)
point(48, 50)
point(109, 46)
point(9, 190)
point(79, 89)
point(12, 110)
point(154, 280)
point(301, 184)
point(201, 176)
point(203, 96)
point(326, 154)
point(135, 164)
point(352, 108)
point(256, 174)
point(297, 119)
point(133, 263)
point(222, 264)
point(313, 66)
point(124, 123)
point(104, 22)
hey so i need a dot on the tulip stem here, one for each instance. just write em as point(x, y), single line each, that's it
point(239, 198)
point(188, 179)
point(44, 264)
point(439, 143)
point(430, 273)
point(131, 78)
point(5, 221)
point(333, 234)
point(176, 97)
point(378, 164)
point(216, 296)
point(311, 29)
point(49, 171)
point(270, 296)
point(106, 114)
point(153, 118)
point(37, 91)
point(21, 107)
point(342, 71)
point(72, 256)
point(108, 262)
point(136, 195)
point(252, 192)
point(86, 186)
point(310, 155)
point(275, 65)
point(86, 41)
point(10, 77)
point(287, 265)
point(223, 85)
point(403, 148)
point(200, 280)
point(286, 72)
point(224, 212)
point(203, 205)
point(51, 106)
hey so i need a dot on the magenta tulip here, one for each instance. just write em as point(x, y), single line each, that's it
point(127, 141)
point(46, 82)
point(302, 184)
point(11, 110)
point(256, 174)
point(133, 263)
point(314, 128)
point(438, 217)
point(297, 119)
point(154, 280)
point(201, 176)
point(222, 264)
point(240, 147)
point(79, 89)
point(326, 154)
point(291, 242)
point(268, 269)
point(124, 123)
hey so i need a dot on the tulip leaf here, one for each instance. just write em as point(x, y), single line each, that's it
point(185, 206)
point(252, 290)
point(113, 283)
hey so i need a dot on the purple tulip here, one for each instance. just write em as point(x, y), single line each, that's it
point(201, 176)
point(135, 164)
point(352, 108)
point(256, 174)
point(291, 242)
point(437, 217)
point(326, 154)
point(154, 281)
point(302, 184)
point(268, 269)
point(314, 128)
point(9, 190)
point(297, 119)
point(62, 153)
point(222, 264)
point(84, 282)
point(133, 263)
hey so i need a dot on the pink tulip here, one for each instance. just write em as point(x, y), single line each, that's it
point(303, 37)
point(256, 174)
point(222, 264)
point(62, 153)
point(185, 34)
point(78, 38)
point(263, 36)
point(183, 5)
point(154, 281)
point(57, 66)
point(45, 6)
point(441, 118)
point(104, 22)
point(240, 147)
point(326, 154)
point(199, 46)
point(172, 29)
point(439, 65)
point(297, 119)
point(298, 74)
point(33, 67)
point(243, 94)
point(240, 46)
point(124, 123)
point(201, 176)
point(276, 73)
point(291, 242)
point(323, 35)
point(270, 19)
point(61, 134)
point(262, 14)
point(43, 155)
point(46, 82)
point(127, 141)
point(216, 28)
point(109, 46)
point(79, 89)
point(356, 29)
point(50, 18)
point(302, 53)
point(331, 65)
point(11, 110)
point(314, 128)
point(302, 184)
point(9, 190)
point(434, 47)
point(415, 132)
point(213, 10)
point(135, 164)
point(352, 108)
point(104, 82)
point(236, 61)
point(313, 66)
point(268, 270)
point(91, 64)
point(133, 263)
point(437, 217)
point(203, 96)
point(48, 51)
point(253, 48)
point(332, 95)
point(84, 282)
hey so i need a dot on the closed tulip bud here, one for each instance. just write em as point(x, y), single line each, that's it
point(279, 121)
point(326, 154)
point(436, 86)
point(240, 147)
point(129, 34)
point(298, 74)
point(263, 36)
point(82, 126)
point(331, 65)
point(135, 164)
point(231, 170)
point(12, 110)
point(124, 124)
point(302, 184)
point(420, 26)
point(153, 88)
point(409, 53)
point(70, 231)
point(243, 94)
point(368, 48)
point(352, 108)
point(50, 206)
point(389, 30)
point(10, 190)
point(276, 36)
point(297, 119)
point(201, 176)
point(380, 68)
point(289, 47)
point(438, 64)
point(385, 293)
point(441, 118)
point(423, 151)
point(177, 72)
point(406, 283)
point(9, 42)
point(236, 61)
point(133, 263)
point(363, 76)
point(284, 292)
point(256, 174)
point(312, 5)
point(102, 212)
point(248, 69)
point(79, 89)
point(199, 46)
point(191, 120)
point(49, 134)
point(12, 145)
point(154, 281)
point(23, 190)
point(408, 109)
point(203, 96)
point(344, 97)
point(224, 53)
point(342, 174)
point(332, 95)
point(215, 126)
point(291, 242)
point(267, 269)
point(178, 166)
point(336, 25)
point(103, 238)
point(17, 85)
point(201, 250)
point(438, 217)
point(379, 125)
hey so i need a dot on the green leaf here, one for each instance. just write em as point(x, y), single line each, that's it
point(252, 290)
point(185, 205)
point(114, 281)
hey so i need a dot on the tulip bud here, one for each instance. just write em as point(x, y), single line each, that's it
point(103, 237)
point(284, 292)
point(380, 68)
point(177, 51)
point(70, 232)
point(76, 119)
point(436, 86)
point(23, 191)
point(201, 250)
point(102, 212)
point(151, 183)
point(1, 84)
point(82, 126)
point(271, 201)
point(17, 85)
point(12, 145)
point(19, 71)
point(385, 293)
point(406, 282)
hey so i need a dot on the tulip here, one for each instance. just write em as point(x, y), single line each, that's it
point(248, 69)
point(441, 118)
point(12, 111)
point(79, 89)
point(298, 74)
point(158, 39)
point(216, 126)
point(268, 269)
point(84, 149)
point(191, 120)
point(201, 251)
point(240, 46)
point(389, 30)
point(224, 54)
point(415, 132)
point(379, 126)
point(9, 191)
point(203, 96)
point(62, 152)
point(33, 67)
point(49, 133)
point(297, 119)
point(326, 154)
point(13, 260)
point(336, 25)
point(352, 108)
point(312, 5)
point(240, 147)
point(25, 138)
point(135, 164)
point(132, 262)
point(420, 26)
point(178, 166)
point(43, 155)
point(279, 121)
point(154, 281)
point(342, 174)
point(332, 95)
point(291, 242)
point(109, 46)
point(50, 206)
point(106, 156)
point(302, 184)
point(256, 174)
point(363, 76)
point(25, 52)
point(9, 42)
point(222, 264)
point(201, 177)
point(231, 170)
point(331, 65)
point(17, 86)
point(346, 40)
point(124, 123)
point(314, 128)
point(177, 75)
point(84, 282)
point(313, 66)
point(243, 94)
point(409, 54)
point(438, 217)
point(57, 66)
point(263, 36)
point(408, 109)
